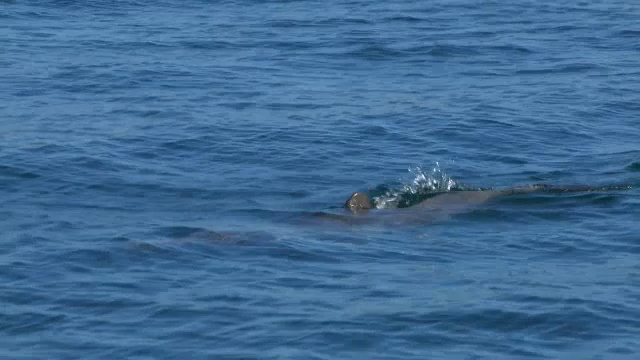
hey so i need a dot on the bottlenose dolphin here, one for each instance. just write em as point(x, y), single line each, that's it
point(453, 201)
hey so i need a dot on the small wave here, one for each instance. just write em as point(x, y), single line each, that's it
point(629, 33)
point(374, 52)
point(375, 130)
point(17, 172)
point(561, 69)
point(289, 45)
point(201, 44)
point(442, 50)
point(37, 15)
point(511, 48)
point(635, 166)
point(451, 50)
point(289, 23)
point(405, 19)
point(29, 322)
point(148, 44)
point(344, 21)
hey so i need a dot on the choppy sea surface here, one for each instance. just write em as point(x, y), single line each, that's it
point(172, 175)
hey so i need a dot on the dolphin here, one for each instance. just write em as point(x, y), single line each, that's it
point(455, 201)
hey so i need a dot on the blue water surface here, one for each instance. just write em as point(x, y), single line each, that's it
point(172, 175)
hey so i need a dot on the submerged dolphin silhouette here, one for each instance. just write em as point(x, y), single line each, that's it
point(458, 200)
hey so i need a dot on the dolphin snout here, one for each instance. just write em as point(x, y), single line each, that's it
point(358, 201)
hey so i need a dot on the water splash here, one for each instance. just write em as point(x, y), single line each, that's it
point(424, 184)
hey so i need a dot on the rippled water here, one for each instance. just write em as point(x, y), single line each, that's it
point(171, 177)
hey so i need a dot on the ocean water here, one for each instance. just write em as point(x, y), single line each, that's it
point(172, 176)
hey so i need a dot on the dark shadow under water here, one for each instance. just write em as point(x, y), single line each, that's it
point(435, 208)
